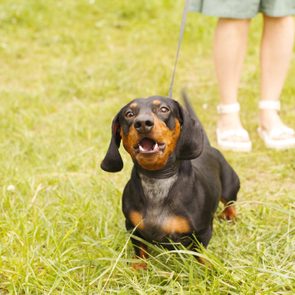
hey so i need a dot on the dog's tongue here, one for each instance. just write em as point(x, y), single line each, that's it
point(147, 144)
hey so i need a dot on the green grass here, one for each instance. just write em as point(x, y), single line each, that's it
point(66, 69)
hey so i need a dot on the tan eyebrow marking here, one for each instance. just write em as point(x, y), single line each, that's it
point(133, 105)
point(157, 102)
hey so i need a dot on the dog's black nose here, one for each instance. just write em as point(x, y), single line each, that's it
point(144, 123)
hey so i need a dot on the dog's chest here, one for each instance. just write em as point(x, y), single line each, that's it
point(159, 220)
point(156, 190)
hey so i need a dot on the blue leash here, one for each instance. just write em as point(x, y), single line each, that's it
point(182, 26)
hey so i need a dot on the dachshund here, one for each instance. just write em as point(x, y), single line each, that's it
point(178, 178)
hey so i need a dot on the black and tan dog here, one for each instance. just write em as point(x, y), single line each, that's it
point(178, 178)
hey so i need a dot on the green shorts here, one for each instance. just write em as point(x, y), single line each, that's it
point(243, 8)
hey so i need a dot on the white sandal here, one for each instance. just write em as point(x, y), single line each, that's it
point(234, 139)
point(276, 138)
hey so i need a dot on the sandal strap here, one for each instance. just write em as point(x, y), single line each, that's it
point(269, 105)
point(241, 132)
point(228, 108)
point(277, 132)
point(278, 138)
point(234, 140)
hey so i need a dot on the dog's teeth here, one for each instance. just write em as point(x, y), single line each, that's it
point(156, 146)
point(141, 148)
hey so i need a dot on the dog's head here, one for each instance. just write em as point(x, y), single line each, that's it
point(153, 129)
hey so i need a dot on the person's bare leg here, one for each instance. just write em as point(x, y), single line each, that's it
point(276, 51)
point(230, 44)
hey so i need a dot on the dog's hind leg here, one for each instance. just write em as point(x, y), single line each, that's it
point(230, 187)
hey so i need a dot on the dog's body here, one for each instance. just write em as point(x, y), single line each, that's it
point(177, 179)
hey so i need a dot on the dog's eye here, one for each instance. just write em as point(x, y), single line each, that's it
point(164, 110)
point(129, 114)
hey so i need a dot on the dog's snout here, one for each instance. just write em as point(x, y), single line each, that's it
point(144, 123)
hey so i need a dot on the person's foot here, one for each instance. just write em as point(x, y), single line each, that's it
point(230, 133)
point(272, 130)
point(270, 119)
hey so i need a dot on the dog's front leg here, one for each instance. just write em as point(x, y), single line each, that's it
point(141, 252)
point(140, 249)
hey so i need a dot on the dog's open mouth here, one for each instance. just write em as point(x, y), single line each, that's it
point(149, 146)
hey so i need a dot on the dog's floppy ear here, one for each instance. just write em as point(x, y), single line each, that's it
point(191, 140)
point(112, 161)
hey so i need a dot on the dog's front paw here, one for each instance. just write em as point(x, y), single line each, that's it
point(139, 266)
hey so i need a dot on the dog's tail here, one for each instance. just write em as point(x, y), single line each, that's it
point(192, 113)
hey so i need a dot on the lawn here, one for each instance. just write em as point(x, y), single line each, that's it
point(66, 68)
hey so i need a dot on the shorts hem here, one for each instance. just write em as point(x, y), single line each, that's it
point(250, 16)
point(278, 14)
point(225, 15)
